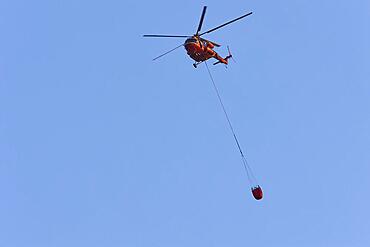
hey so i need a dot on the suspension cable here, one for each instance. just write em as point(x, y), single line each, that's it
point(252, 179)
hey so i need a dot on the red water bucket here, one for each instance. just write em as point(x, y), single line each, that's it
point(257, 192)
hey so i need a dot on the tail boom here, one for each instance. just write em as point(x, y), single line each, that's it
point(223, 60)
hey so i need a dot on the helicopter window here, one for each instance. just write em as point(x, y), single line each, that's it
point(192, 40)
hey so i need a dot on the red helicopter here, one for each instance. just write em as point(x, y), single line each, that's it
point(198, 48)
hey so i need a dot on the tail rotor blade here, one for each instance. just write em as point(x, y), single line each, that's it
point(231, 56)
point(167, 52)
point(201, 19)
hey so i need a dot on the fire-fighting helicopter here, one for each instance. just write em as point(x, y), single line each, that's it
point(198, 48)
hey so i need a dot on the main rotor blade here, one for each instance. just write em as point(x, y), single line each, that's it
point(167, 52)
point(201, 19)
point(164, 36)
point(227, 23)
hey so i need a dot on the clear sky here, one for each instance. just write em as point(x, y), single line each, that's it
point(100, 146)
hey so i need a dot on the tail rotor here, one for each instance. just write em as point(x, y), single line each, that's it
point(230, 55)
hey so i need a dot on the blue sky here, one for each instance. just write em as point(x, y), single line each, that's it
point(100, 146)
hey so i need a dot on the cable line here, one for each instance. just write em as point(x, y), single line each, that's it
point(256, 189)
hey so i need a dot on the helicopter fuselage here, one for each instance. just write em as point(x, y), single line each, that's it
point(199, 50)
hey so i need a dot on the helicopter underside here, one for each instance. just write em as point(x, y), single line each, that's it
point(198, 53)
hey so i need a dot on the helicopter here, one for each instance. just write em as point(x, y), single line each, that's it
point(197, 47)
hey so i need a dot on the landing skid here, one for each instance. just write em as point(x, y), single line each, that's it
point(196, 64)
